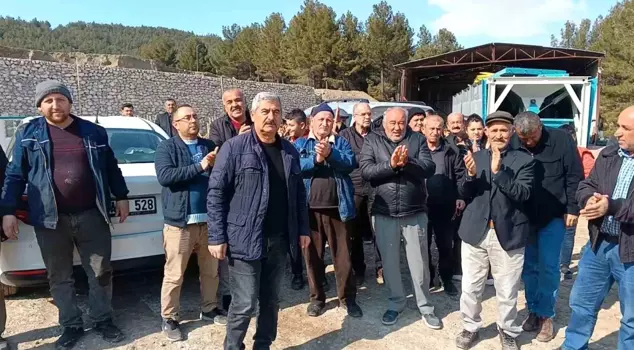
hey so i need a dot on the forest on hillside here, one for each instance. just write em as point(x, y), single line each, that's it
point(321, 49)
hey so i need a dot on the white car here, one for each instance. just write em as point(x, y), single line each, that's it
point(378, 108)
point(137, 242)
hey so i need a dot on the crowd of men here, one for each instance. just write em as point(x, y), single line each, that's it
point(496, 194)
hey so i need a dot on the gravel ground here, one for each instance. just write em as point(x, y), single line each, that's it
point(32, 320)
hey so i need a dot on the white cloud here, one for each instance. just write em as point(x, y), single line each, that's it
point(505, 19)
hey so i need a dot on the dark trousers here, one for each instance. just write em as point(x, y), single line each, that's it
point(252, 283)
point(91, 234)
point(325, 225)
point(296, 263)
point(442, 227)
point(457, 243)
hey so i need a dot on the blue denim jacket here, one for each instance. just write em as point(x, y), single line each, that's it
point(31, 164)
point(238, 198)
point(342, 160)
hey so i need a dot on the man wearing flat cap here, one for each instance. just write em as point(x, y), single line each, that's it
point(71, 174)
point(494, 230)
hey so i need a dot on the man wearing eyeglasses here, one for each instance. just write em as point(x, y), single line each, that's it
point(183, 164)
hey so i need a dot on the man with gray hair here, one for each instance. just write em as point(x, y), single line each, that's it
point(553, 207)
point(251, 224)
point(396, 161)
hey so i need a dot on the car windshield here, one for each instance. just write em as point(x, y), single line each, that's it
point(133, 146)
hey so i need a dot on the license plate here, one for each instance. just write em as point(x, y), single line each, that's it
point(138, 206)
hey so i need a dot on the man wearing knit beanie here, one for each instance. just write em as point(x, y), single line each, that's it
point(69, 187)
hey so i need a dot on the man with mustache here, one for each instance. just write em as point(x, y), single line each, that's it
point(164, 120)
point(494, 230)
point(327, 161)
point(554, 207)
point(608, 204)
point(444, 202)
point(455, 125)
point(361, 226)
point(236, 121)
point(256, 209)
point(396, 161)
point(183, 164)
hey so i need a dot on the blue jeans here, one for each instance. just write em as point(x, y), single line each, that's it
point(597, 273)
point(567, 246)
point(541, 269)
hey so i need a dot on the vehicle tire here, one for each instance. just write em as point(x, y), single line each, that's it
point(9, 290)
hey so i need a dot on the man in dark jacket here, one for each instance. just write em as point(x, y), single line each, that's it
point(444, 202)
point(607, 197)
point(327, 161)
point(361, 226)
point(236, 121)
point(494, 230)
point(558, 172)
point(251, 225)
point(396, 162)
point(72, 175)
point(164, 120)
point(183, 164)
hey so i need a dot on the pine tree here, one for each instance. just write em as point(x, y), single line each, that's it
point(159, 49)
point(351, 65)
point(244, 51)
point(194, 56)
point(269, 48)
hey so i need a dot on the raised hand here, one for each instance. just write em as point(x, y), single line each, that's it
point(469, 163)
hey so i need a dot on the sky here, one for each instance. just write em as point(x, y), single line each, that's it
point(473, 22)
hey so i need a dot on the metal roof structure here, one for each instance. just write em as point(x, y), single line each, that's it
point(502, 55)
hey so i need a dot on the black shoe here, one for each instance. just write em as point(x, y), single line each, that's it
point(109, 332)
point(297, 283)
point(69, 338)
point(353, 309)
point(315, 309)
point(172, 330)
point(466, 339)
point(226, 302)
point(508, 342)
point(390, 317)
point(4, 344)
point(216, 316)
point(450, 288)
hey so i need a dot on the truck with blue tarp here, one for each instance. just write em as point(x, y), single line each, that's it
point(558, 97)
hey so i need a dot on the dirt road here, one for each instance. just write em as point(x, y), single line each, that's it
point(33, 320)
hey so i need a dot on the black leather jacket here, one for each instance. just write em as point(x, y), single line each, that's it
point(396, 192)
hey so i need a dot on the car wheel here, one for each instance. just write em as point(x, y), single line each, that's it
point(9, 290)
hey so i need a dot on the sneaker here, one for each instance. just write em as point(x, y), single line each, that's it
point(457, 278)
point(546, 331)
point(109, 332)
point(297, 283)
point(69, 338)
point(507, 342)
point(315, 309)
point(172, 330)
point(379, 277)
point(359, 279)
point(450, 288)
point(216, 316)
point(531, 323)
point(390, 317)
point(466, 339)
point(432, 321)
point(353, 309)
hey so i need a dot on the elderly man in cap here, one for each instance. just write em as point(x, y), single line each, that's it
point(494, 230)
point(70, 179)
point(327, 161)
point(416, 119)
